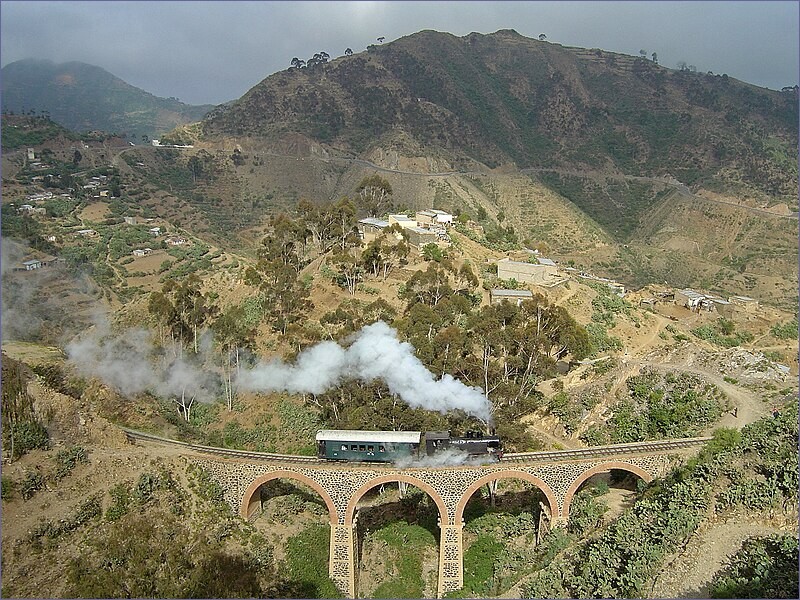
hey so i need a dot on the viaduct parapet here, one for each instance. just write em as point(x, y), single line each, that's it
point(558, 475)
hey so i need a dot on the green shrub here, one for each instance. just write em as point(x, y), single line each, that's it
point(67, 460)
point(24, 436)
point(32, 483)
point(8, 487)
point(764, 567)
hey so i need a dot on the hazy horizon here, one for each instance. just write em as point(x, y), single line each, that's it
point(213, 52)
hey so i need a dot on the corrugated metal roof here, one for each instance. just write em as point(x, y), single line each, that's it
point(526, 293)
point(546, 261)
point(692, 295)
point(375, 222)
point(355, 435)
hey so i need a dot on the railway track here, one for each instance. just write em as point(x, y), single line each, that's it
point(134, 436)
point(601, 451)
point(521, 457)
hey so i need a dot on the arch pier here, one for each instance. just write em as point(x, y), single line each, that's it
point(341, 486)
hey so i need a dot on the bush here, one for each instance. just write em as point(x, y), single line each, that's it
point(67, 460)
point(764, 567)
point(8, 488)
point(31, 484)
point(25, 436)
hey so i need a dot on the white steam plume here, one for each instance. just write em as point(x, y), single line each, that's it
point(375, 353)
point(129, 362)
point(449, 457)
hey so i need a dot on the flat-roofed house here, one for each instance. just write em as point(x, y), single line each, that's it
point(541, 273)
point(370, 228)
point(497, 296)
point(32, 264)
point(419, 237)
point(404, 221)
point(433, 217)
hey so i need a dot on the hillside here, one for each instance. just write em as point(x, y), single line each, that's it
point(503, 98)
point(84, 97)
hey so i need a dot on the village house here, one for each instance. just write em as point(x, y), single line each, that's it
point(496, 296)
point(744, 303)
point(32, 264)
point(175, 241)
point(404, 221)
point(142, 252)
point(31, 154)
point(370, 228)
point(86, 232)
point(543, 273)
point(419, 237)
point(25, 208)
point(155, 231)
point(433, 217)
point(693, 300)
point(129, 220)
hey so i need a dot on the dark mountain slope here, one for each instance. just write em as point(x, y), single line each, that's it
point(84, 97)
point(503, 98)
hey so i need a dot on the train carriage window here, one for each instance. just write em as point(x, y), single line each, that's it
point(362, 447)
point(370, 448)
point(354, 447)
point(344, 446)
point(381, 449)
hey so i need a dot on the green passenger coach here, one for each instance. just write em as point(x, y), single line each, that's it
point(367, 446)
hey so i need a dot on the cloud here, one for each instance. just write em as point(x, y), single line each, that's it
point(212, 52)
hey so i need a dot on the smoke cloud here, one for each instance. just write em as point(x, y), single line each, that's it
point(131, 363)
point(449, 457)
point(375, 353)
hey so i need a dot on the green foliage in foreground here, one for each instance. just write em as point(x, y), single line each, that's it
point(406, 543)
point(785, 331)
point(722, 334)
point(307, 565)
point(660, 406)
point(622, 561)
point(764, 567)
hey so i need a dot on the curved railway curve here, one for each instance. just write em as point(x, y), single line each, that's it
point(657, 446)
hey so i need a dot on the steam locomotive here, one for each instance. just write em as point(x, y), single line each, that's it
point(390, 446)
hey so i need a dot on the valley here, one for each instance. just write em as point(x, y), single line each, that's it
point(155, 288)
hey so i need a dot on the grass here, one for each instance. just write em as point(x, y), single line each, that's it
point(407, 544)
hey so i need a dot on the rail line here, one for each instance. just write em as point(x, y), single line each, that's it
point(610, 450)
point(520, 457)
point(134, 435)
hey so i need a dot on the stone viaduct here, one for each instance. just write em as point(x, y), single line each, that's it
point(557, 474)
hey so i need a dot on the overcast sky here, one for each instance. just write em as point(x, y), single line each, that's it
point(212, 52)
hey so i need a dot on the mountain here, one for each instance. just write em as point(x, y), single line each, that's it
point(502, 98)
point(84, 97)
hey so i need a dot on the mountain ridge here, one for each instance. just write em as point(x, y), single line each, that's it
point(68, 92)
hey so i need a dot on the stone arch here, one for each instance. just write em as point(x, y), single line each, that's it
point(606, 466)
point(247, 498)
point(524, 475)
point(425, 487)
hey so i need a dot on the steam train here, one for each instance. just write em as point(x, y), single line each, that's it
point(390, 446)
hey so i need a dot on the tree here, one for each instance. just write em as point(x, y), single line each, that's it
point(380, 39)
point(655, 57)
point(349, 272)
point(542, 37)
point(374, 195)
point(232, 333)
point(183, 308)
point(643, 53)
point(347, 51)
